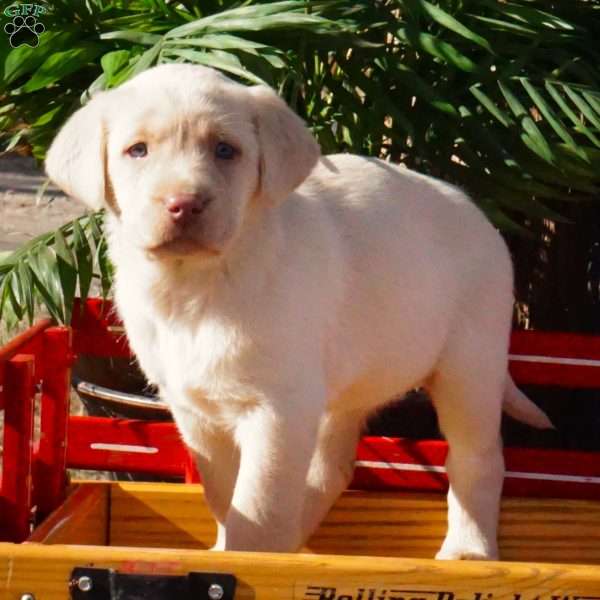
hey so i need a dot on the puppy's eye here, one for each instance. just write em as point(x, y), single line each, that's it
point(225, 151)
point(138, 150)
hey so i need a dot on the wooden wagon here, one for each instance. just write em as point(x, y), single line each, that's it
point(102, 540)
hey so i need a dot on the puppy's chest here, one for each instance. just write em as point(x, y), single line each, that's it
point(203, 367)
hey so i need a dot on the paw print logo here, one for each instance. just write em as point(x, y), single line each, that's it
point(24, 31)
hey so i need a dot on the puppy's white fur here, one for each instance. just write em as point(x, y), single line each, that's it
point(309, 292)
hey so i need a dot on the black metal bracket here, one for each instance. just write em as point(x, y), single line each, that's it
point(108, 584)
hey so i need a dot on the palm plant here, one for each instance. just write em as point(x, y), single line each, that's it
point(500, 98)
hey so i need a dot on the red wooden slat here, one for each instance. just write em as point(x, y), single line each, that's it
point(28, 342)
point(548, 349)
point(159, 447)
point(160, 451)
point(534, 472)
point(101, 344)
point(18, 440)
point(95, 310)
point(563, 376)
point(553, 343)
point(530, 472)
point(191, 474)
point(17, 344)
point(50, 474)
point(97, 331)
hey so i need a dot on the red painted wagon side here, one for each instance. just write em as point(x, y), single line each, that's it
point(35, 367)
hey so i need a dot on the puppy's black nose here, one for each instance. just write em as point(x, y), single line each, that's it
point(183, 207)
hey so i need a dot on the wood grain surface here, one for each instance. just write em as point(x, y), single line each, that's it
point(144, 517)
point(366, 523)
point(45, 571)
point(82, 518)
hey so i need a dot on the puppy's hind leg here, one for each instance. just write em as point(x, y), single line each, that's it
point(467, 391)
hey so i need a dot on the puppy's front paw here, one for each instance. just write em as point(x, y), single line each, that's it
point(220, 543)
point(464, 555)
point(466, 551)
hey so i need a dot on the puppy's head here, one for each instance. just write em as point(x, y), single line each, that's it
point(180, 154)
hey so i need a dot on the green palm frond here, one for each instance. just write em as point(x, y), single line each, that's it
point(500, 98)
point(50, 270)
point(97, 45)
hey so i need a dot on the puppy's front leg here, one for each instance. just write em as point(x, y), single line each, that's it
point(217, 459)
point(218, 463)
point(276, 450)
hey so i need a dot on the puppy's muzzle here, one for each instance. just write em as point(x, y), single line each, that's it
point(185, 208)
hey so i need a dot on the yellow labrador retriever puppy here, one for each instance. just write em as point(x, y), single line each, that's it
point(277, 298)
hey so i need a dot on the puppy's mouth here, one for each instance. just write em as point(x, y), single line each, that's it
point(181, 247)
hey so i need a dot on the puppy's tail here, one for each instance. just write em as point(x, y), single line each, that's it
point(519, 406)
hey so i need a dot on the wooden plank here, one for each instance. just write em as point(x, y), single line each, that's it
point(160, 515)
point(50, 479)
point(81, 519)
point(105, 444)
point(382, 463)
point(414, 525)
point(552, 358)
point(97, 330)
point(17, 459)
point(385, 464)
point(44, 571)
point(366, 523)
point(28, 342)
point(556, 344)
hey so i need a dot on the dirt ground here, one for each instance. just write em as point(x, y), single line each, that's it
point(22, 217)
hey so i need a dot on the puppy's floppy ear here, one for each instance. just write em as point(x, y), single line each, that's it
point(288, 151)
point(76, 160)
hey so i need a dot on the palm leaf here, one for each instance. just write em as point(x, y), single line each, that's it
point(500, 98)
point(48, 271)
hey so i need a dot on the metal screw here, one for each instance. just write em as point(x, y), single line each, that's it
point(85, 583)
point(27, 597)
point(215, 591)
